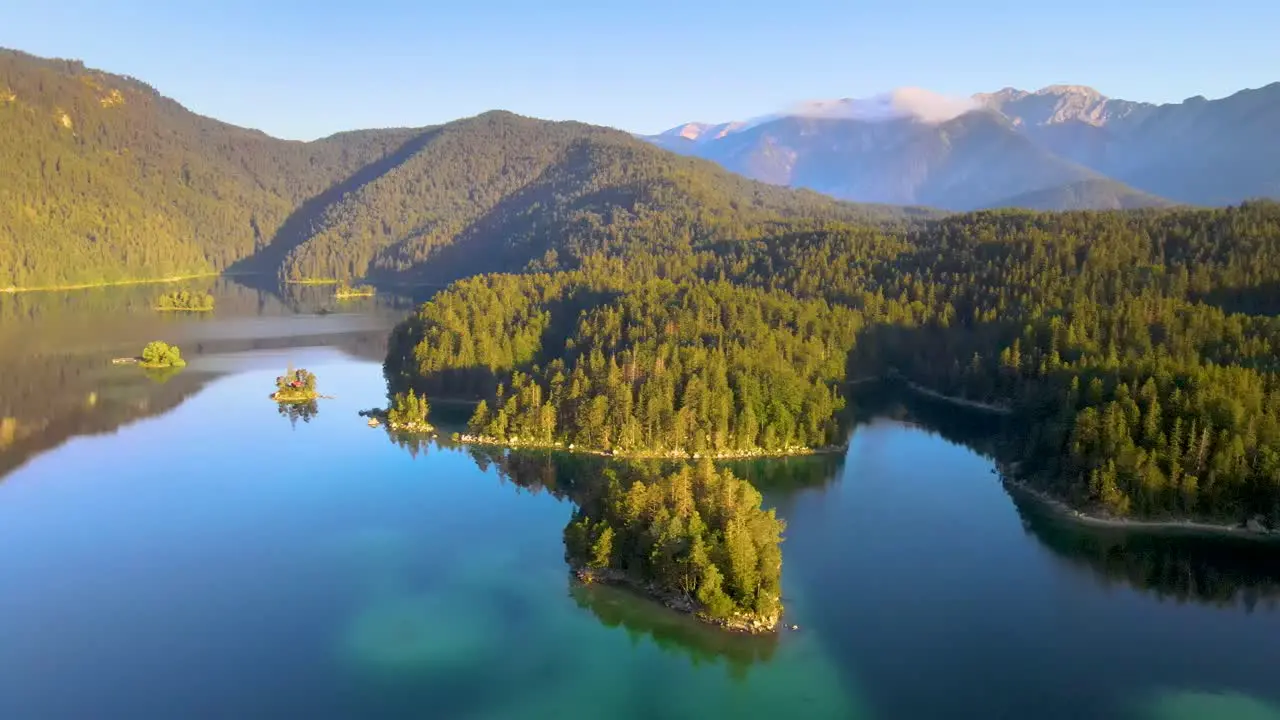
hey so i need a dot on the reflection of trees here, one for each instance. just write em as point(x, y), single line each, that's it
point(977, 430)
point(47, 398)
point(56, 377)
point(319, 299)
point(774, 476)
point(161, 375)
point(578, 478)
point(672, 631)
point(573, 474)
point(416, 443)
point(1181, 566)
point(563, 475)
point(296, 411)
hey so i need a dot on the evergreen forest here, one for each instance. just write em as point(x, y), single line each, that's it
point(1137, 351)
point(599, 292)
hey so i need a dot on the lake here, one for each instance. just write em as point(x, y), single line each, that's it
point(173, 546)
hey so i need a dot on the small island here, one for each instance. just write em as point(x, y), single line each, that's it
point(185, 301)
point(345, 291)
point(696, 539)
point(407, 414)
point(295, 386)
point(155, 355)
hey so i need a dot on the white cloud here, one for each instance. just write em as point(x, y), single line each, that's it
point(923, 105)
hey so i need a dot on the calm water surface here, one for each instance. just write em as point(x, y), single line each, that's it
point(178, 548)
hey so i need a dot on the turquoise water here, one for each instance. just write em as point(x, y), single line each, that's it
point(213, 558)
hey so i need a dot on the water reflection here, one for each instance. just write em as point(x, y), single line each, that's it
point(1212, 570)
point(56, 376)
point(296, 411)
point(670, 631)
point(977, 430)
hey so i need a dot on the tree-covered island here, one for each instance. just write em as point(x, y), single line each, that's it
point(408, 413)
point(346, 291)
point(159, 354)
point(185, 301)
point(295, 386)
point(695, 538)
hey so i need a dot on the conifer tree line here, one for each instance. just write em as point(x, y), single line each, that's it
point(1139, 351)
point(657, 302)
point(697, 532)
point(703, 367)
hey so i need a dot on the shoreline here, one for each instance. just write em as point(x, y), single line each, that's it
point(931, 393)
point(464, 439)
point(298, 398)
point(1065, 511)
point(741, 623)
point(115, 283)
point(962, 402)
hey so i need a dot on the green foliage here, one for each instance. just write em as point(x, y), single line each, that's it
point(409, 411)
point(185, 300)
point(690, 368)
point(499, 192)
point(1137, 350)
point(349, 291)
point(158, 354)
point(697, 533)
point(295, 386)
point(669, 305)
point(105, 180)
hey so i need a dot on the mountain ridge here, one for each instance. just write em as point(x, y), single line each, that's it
point(103, 179)
point(1191, 152)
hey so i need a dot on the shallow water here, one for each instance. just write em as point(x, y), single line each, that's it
point(206, 556)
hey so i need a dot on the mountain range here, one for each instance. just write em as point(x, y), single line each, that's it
point(103, 179)
point(1059, 148)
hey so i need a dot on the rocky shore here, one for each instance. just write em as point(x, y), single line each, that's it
point(740, 622)
point(517, 443)
point(1255, 527)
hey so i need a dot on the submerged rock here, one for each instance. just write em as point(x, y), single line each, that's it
point(416, 633)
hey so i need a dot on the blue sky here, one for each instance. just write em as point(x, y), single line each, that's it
point(307, 69)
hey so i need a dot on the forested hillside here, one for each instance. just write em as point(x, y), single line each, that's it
point(661, 304)
point(498, 191)
point(1095, 194)
point(1139, 351)
point(103, 179)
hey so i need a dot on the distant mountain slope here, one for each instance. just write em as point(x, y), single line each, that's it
point(914, 146)
point(966, 162)
point(497, 191)
point(1094, 194)
point(1210, 152)
point(103, 179)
